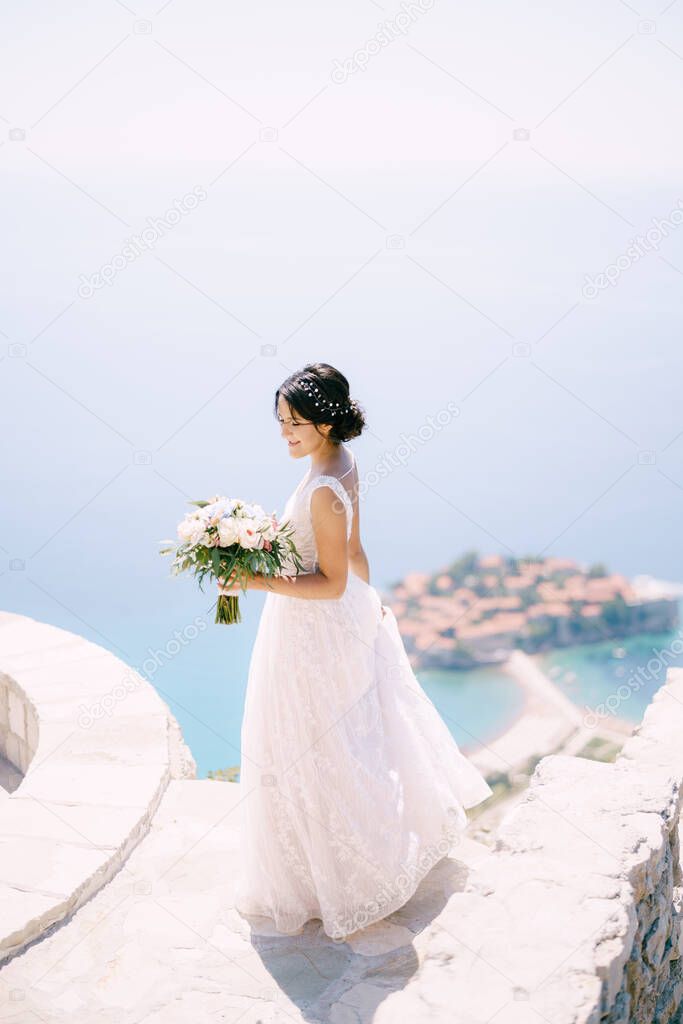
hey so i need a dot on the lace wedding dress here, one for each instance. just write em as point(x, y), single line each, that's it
point(352, 787)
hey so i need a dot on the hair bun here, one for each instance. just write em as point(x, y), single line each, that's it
point(351, 424)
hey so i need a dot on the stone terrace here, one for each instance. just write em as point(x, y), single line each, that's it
point(572, 916)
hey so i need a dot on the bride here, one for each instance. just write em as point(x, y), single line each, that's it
point(352, 787)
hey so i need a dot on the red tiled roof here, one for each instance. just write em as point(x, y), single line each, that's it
point(509, 622)
point(559, 564)
point(490, 561)
point(557, 609)
point(517, 582)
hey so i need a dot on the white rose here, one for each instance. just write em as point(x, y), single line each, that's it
point(227, 531)
point(247, 533)
point(193, 531)
point(184, 531)
point(187, 528)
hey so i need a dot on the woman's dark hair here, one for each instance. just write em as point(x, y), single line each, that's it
point(320, 393)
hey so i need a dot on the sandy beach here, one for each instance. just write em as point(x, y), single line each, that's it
point(548, 722)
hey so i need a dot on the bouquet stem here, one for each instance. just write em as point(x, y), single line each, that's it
point(228, 609)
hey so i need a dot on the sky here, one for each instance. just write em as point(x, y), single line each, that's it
point(467, 208)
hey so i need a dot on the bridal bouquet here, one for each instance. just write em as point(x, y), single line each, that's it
point(225, 536)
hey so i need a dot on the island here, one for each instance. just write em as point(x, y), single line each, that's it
point(481, 608)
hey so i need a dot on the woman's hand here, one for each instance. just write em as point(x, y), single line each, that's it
point(231, 584)
point(228, 585)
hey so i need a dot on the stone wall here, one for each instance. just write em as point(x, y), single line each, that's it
point(652, 980)
point(575, 916)
point(96, 748)
point(18, 725)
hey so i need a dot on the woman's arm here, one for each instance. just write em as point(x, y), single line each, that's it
point(328, 517)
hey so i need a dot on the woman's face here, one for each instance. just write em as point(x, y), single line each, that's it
point(301, 435)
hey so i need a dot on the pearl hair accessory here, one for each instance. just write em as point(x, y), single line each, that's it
point(334, 408)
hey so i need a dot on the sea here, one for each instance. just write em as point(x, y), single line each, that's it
point(204, 681)
point(617, 677)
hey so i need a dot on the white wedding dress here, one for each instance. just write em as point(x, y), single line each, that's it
point(352, 786)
